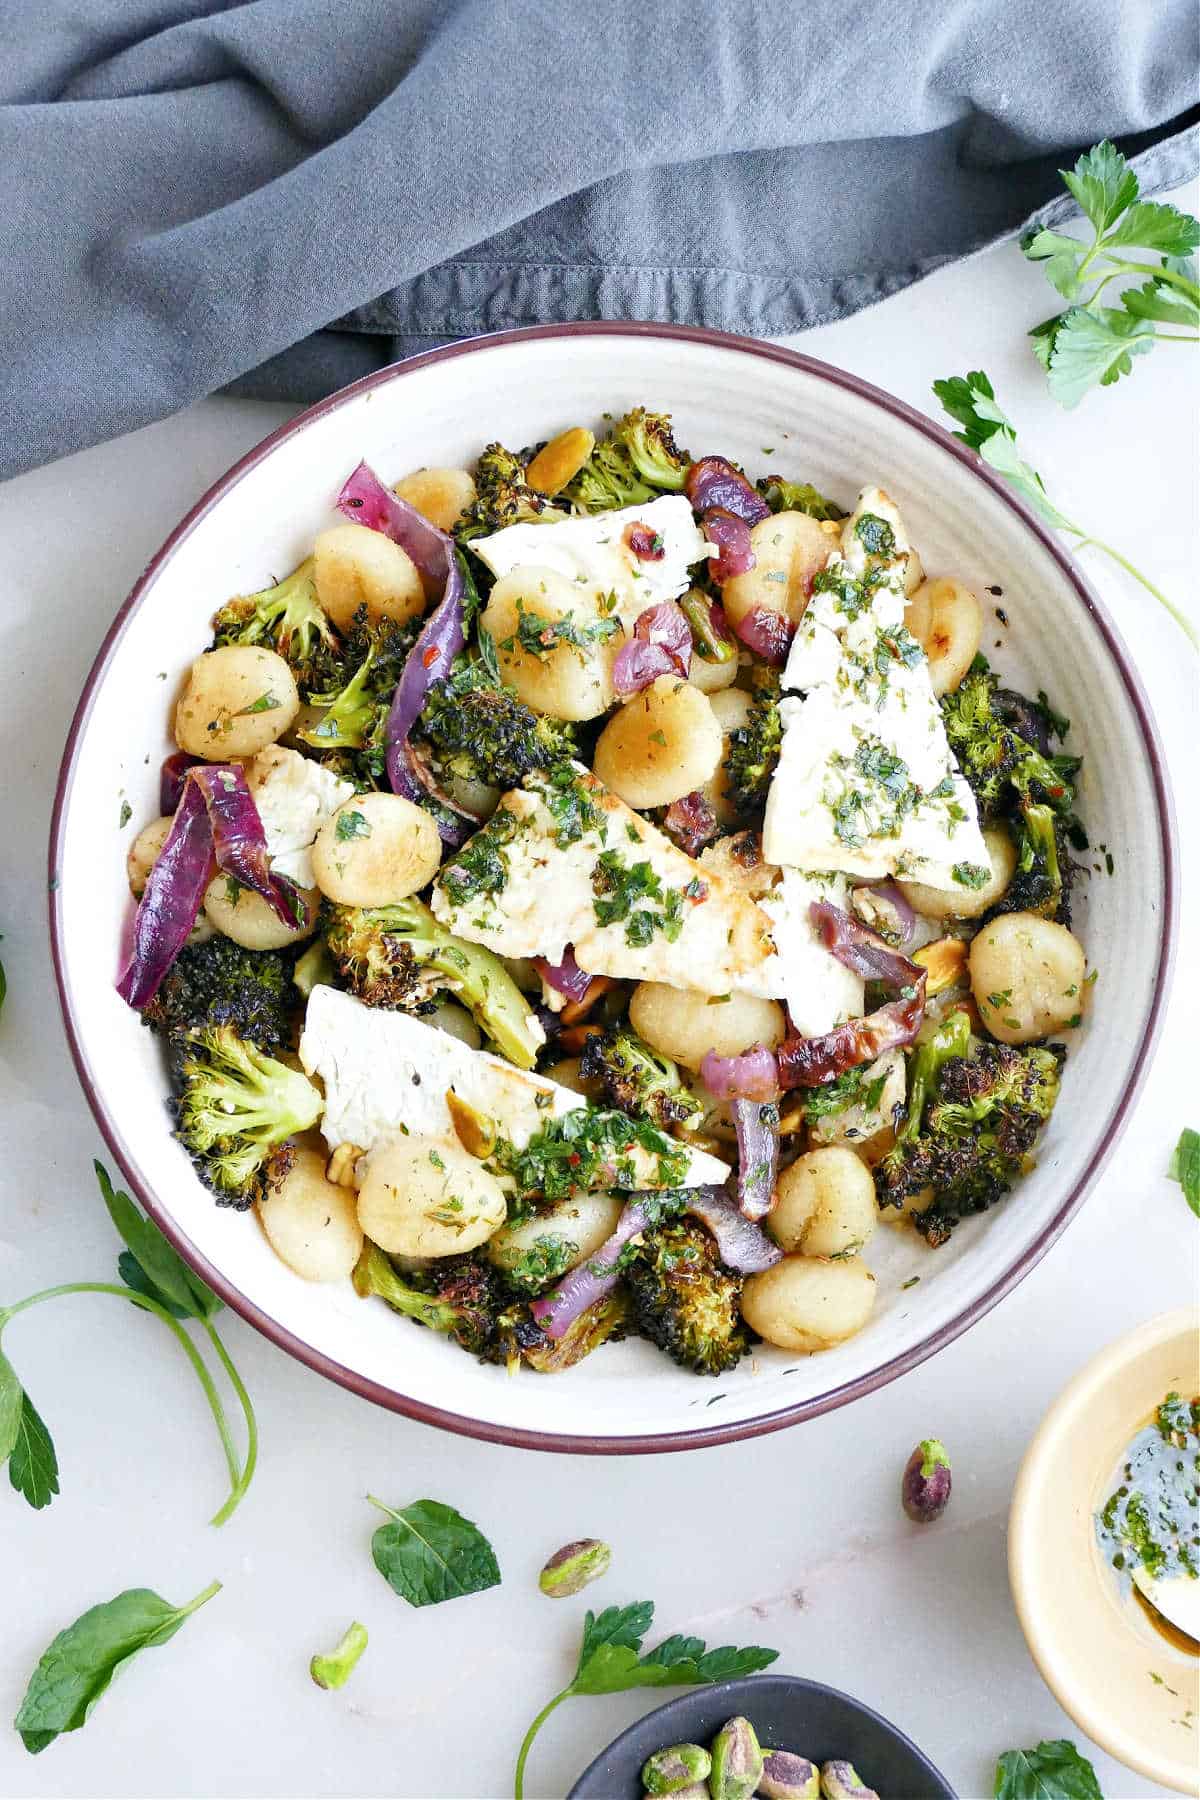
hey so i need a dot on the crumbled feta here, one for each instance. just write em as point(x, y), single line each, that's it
point(592, 551)
point(866, 781)
point(386, 1075)
point(294, 796)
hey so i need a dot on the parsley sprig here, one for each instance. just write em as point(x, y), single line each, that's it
point(1092, 345)
point(611, 1662)
point(987, 429)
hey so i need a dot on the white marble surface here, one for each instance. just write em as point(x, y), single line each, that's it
point(795, 1540)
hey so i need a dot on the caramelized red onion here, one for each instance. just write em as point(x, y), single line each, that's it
point(883, 908)
point(756, 1123)
point(754, 1075)
point(731, 535)
point(690, 822)
point(565, 977)
point(596, 1276)
point(171, 778)
point(741, 1244)
point(713, 481)
point(768, 633)
point(644, 542)
point(810, 1062)
point(661, 645)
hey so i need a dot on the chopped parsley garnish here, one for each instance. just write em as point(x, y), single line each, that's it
point(875, 535)
point(545, 1260)
point(634, 893)
point(851, 1088)
point(971, 875)
point(587, 1149)
point(351, 825)
point(265, 703)
point(574, 811)
point(481, 866)
point(539, 635)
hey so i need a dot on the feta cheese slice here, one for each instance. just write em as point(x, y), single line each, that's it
point(566, 862)
point(386, 1074)
point(592, 551)
point(294, 796)
point(820, 991)
point(866, 781)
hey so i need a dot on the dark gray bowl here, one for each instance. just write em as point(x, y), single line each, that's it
point(787, 1713)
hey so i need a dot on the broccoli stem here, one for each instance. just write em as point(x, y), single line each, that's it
point(239, 1478)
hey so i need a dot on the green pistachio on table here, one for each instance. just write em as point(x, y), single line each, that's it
point(571, 1568)
point(787, 1776)
point(841, 1781)
point(674, 1770)
point(737, 1761)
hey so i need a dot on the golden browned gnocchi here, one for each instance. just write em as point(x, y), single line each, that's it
point(354, 566)
point(947, 621)
point(964, 902)
point(806, 1303)
point(239, 913)
point(1027, 976)
point(376, 848)
point(685, 1026)
point(663, 743)
point(440, 495)
point(311, 1223)
point(426, 1196)
point(825, 1204)
point(236, 701)
point(789, 548)
point(569, 1232)
point(553, 644)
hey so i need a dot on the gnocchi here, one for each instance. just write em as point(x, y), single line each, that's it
point(964, 902)
point(825, 1204)
point(239, 913)
point(440, 495)
point(807, 1303)
point(375, 849)
point(685, 1026)
point(553, 645)
point(424, 1196)
point(947, 621)
point(354, 566)
point(789, 548)
point(663, 743)
point(577, 1227)
point(1027, 977)
point(311, 1223)
point(235, 702)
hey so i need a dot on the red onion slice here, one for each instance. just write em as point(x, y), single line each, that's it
point(170, 900)
point(581, 1287)
point(757, 1125)
point(754, 1075)
point(742, 1245)
point(731, 536)
point(238, 839)
point(690, 822)
point(661, 645)
point(768, 633)
point(810, 1062)
point(883, 908)
point(565, 977)
point(171, 778)
point(644, 542)
point(713, 481)
point(368, 501)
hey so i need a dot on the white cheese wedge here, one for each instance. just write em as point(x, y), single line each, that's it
point(820, 991)
point(294, 796)
point(592, 551)
point(599, 878)
point(386, 1074)
point(866, 781)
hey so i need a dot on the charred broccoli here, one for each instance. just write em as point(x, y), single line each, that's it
point(469, 1301)
point(975, 1109)
point(685, 1300)
point(1001, 766)
point(219, 983)
point(754, 752)
point(480, 731)
point(399, 956)
point(502, 496)
point(287, 617)
point(795, 496)
point(235, 1106)
point(608, 479)
point(649, 443)
point(638, 1079)
point(361, 684)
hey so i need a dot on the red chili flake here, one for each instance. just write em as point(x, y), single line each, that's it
point(429, 657)
point(647, 545)
point(574, 1159)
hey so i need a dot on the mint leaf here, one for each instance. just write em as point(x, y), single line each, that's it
point(1103, 184)
point(1184, 1167)
point(1093, 349)
point(80, 1664)
point(1054, 1771)
point(1153, 225)
point(167, 1277)
point(428, 1553)
point(32, 1463)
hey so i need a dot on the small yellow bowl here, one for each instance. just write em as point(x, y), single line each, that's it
point(1130, 1689)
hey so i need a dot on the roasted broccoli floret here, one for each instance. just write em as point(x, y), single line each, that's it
point(1045, 868)
point(287, 617)
point(608, 479)
point(638, 1079)
point(649, 442)
point(219, 983)
point(754, 752)
point(975, 1109)
point(234, 1107)
point(359, 694)
point(685, 1300)
point(399, 956)
point(468, 1300)
point(502, 496)
point(1002, 767)
point(479, 730)
point(797, 496)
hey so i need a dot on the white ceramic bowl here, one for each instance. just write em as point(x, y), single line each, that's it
point(730, 395)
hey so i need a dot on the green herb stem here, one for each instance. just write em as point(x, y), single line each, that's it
point(144, 1301)
point(214, 1587)
point(527, 1740)
point(1180, 618)
point(247, 1405)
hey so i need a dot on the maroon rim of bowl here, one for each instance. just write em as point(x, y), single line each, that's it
point(705, 1436)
